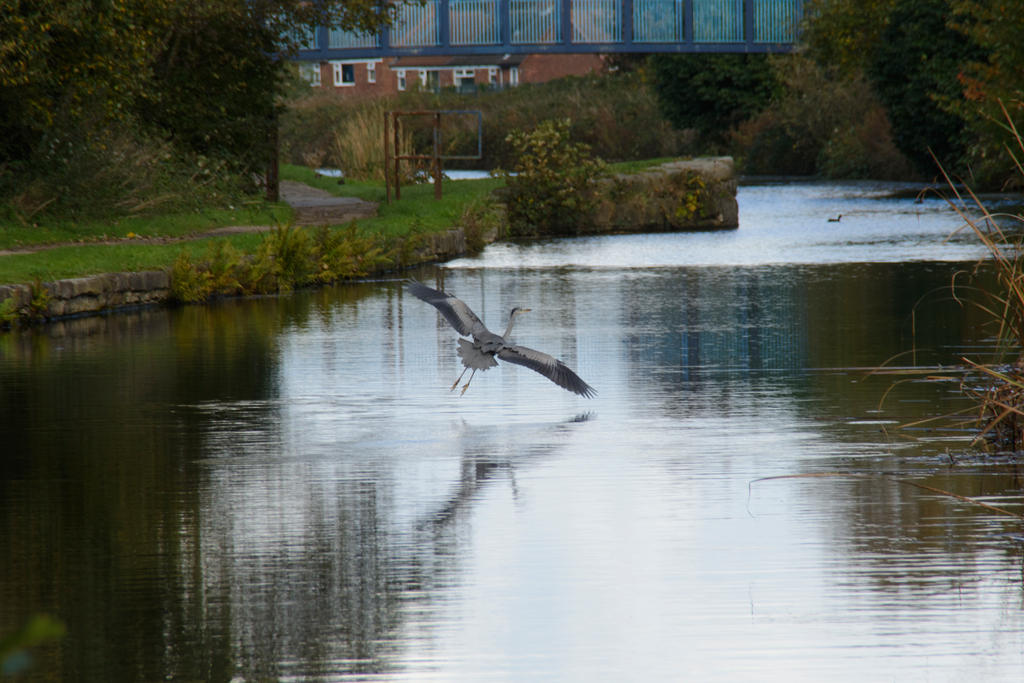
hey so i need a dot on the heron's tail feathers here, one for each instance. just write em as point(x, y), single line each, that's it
point(473, 357)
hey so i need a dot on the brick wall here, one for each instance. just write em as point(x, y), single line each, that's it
point(353, 78)
point(541, 68)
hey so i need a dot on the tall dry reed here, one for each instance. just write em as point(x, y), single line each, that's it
point(357, 146)
point(999, 389)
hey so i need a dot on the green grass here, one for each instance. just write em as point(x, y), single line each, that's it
point(50, 231)
point(90, 259)
point(417, 212)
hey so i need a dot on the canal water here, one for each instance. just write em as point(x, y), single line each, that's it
point(286, 489)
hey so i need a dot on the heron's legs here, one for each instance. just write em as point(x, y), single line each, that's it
point(467, 381)
point(459, 379)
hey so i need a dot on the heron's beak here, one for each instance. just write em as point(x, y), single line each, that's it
point(525, 310)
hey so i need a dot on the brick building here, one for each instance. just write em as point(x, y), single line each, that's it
point(390, 75)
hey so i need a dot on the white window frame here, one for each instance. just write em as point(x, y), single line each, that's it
point(423, 78)
point(460, 74)
point(401, 78)
point(338, 71)
point(492, 75)
point(513, 75)
point(371, 72)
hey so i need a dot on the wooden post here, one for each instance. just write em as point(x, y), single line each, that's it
point(387, 160)
point(437, 156)
point(398, 177)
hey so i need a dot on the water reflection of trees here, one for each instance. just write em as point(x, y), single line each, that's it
point(97, 437)
point(162, 507)
point(746, 320)
point(800, 341)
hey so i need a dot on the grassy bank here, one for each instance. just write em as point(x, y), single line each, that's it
point(145, 243)
point(267, 254)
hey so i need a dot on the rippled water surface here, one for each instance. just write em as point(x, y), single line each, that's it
point(285, 489)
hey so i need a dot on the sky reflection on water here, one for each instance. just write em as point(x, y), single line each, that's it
point(291, 492)
point(780, 225)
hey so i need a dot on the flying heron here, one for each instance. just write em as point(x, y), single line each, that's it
point(479, 353)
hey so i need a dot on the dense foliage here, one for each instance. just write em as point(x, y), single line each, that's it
point(845, 34)
point(914, 71)
point(944, 70)
point(163, 89)
point(879, 86)
point(712, 92)
point(822, 124)
point(993, 84)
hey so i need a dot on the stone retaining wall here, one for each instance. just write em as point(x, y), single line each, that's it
point(92, 294)
point(99, 293)
point(693, 194)
point(676, 196)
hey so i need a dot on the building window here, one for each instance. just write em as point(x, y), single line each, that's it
point(371, 72)
point(513, 76)
point(465, 79)
point(344, 74)
point(492, 75)
point(401, 79)
point(310, 72)
point(423, 78)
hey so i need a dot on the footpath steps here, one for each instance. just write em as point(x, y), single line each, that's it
point(314, 206)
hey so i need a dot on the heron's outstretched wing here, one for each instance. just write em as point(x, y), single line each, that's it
point(455, 311)
point(549, 366)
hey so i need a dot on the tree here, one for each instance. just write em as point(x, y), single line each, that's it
point(845, 34)
point(202, 75)
point(710, 92)
point(65, 64)
point(914, 70)
point(991, 82)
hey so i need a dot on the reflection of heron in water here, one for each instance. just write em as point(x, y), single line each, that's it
point(489, 453)
point(479, 353)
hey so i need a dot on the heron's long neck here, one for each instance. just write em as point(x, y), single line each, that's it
point(511, 322)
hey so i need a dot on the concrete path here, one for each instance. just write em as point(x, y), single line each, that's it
point(318, 207)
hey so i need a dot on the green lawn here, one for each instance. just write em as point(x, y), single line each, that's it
point(14, 234)
point(417, 212)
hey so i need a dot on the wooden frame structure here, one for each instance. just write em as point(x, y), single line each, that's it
point(392, 145)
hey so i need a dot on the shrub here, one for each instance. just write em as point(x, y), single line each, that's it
point(712, 93)
point(552, 185)
point(823, 122)
point(119, 173)
point(287, 257)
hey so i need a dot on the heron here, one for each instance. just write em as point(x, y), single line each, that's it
point(479, 352)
